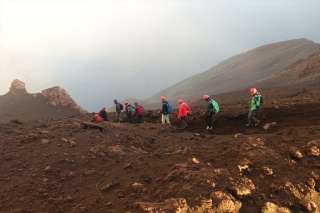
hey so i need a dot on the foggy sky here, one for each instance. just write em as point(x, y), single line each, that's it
point(99, 51)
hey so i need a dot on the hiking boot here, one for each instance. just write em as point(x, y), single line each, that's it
point(210, 128)
point(256, 124)
point(249, 125)
point(207, 127)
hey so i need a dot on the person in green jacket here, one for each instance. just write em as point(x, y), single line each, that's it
point(212, 108)
point(255, 104)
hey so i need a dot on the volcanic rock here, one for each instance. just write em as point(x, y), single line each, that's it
point(17, 86)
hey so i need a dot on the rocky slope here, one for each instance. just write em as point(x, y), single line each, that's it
point(53, 102)
point(304, 72)
point(241, 71)
point(58, 165)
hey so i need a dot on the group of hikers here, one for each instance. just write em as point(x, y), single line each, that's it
point(184, 110)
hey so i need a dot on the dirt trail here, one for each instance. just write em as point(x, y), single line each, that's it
point(54, 165)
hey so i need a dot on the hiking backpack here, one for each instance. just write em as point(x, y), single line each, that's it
point(121, 106)
point(129, 109)
point(261, 99)
point(170, 109)
point(139, 109)
point(215, 106)
point(97, 118)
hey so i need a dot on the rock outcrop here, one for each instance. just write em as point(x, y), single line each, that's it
point(17, 86)
point(55, 95)
point(58, 95)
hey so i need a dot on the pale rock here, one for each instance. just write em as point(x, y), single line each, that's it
point(313, 151)
point(267, 170)
point(45, 141)
point(222, 202)
point(273, 208)
point(295, 153)
point(64, 140)
point(47, 169)
point(194, 160)
point(308, 206)
point(73, 143)
point(238, 135)
point(239, 191)
point(137, 186)
point(17, 85)
point(268, 125)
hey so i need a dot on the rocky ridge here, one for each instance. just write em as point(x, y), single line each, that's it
point(58, 95)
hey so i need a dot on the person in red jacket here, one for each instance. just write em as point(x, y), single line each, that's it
point(184, 110)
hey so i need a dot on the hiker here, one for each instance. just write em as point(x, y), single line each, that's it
point(128, 110)
point(166, 110)
point(255, 105)
point(184, 110)
point(103, 113)
point(212, 108)
point(139, 111)
point(95, 118)
point(119, 107)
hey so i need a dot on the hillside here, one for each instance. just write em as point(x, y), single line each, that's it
point(50, 103)
point(304, 72)
point(242, 70)
point(58, 165)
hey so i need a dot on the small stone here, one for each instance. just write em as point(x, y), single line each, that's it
point(295, 153)
point(194, 160)
point(137, 186)
point(45, 141)
point(47, 169)
point(73, 143)
point(121, 194)
point(108, 204)
point(64, 140)
point(238, 135)
point(267, 170)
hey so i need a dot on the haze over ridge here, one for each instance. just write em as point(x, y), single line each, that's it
point(101, 50)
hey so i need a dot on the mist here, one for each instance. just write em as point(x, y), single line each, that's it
point(99, 51)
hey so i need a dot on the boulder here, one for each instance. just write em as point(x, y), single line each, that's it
point(273, 208)
point(308, 206)
point(18, 86)
point(222, 202)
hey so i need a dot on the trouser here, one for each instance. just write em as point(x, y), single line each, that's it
point(119, 117)
point(208, 119)
point(183, 121)
point(129, 118)
point(252, 119)
point(165, 118)
point(140, 119)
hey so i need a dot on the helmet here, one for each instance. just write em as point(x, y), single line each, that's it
point(253, 91)
point(180, 101)
point(205, 97)
point(103, 108)
point(163, 98)
point(125, 103)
